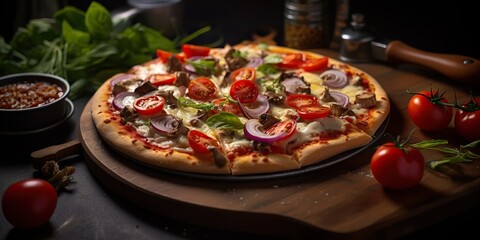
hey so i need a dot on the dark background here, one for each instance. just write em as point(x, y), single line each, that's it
point(435, 26)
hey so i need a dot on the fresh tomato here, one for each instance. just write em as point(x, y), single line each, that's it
point(200, 142)
point(299, 100)
point(467, 121)
point(315, 64)
point(292, 61)
point(313, 112)
point(202, 89)
point(246, 73)
point(191, 50)
point(149, 105)
point(224, 105)
point(244, 91)
point(397, 166)
point(29, 203)
point(427, 113)
point(288, 126)
point(162, 79)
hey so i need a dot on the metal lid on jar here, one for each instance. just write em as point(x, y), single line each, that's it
point(310, 10)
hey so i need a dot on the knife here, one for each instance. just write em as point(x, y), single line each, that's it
point(457, 67)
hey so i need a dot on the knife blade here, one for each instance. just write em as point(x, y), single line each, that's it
point(457, 67)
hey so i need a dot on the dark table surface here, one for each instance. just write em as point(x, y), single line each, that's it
point(90, 211)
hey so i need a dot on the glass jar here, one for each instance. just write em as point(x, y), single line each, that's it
point(306, 24)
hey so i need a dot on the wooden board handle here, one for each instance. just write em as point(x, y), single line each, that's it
point(55, 153)
point(461, 68)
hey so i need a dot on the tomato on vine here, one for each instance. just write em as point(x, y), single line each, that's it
point(396, 165)
point(430, 111)
point(467, 119)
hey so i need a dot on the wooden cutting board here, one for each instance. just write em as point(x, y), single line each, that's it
point(340, 201)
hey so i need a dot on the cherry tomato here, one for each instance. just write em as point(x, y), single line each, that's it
point(223, 105)
point(246, 73)
point(202, 89)
point(316, 64)
point(149, 105)
point(292, 61)
point(288, 126)
point(426, 114)
point(313, 112)
point(191, 50)
point(244, 91)
point(29, 203)
point(162, 79)
point(299, 100)
point(397, 167)
point(467, 123)
point(200, 142)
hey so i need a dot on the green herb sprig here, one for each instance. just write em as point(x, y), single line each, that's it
point(453, 155)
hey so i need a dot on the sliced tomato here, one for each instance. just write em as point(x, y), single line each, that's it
point(292, 61)
point(191, 50)
point(244, 91)
point(315, 64)
point(162, 79)
point(149, 105)
point(200, 142)
point(288, 126)
point(224, 105)
point(246, 73)
point(202, 89)
point(165, 55)
point(299, 100)
point(313, 112)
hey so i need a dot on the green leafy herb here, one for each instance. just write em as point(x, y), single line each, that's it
point(204, 67)
point(453, 155)
point(224, 120)
point(83, 47)
point(185, 102)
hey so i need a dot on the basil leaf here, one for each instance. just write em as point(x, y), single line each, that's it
point(74, 36)
point(267, 68)
point(98, 21)
point(204, 67)
point(185, 102)
point(74, 16)
point(224, 120)
point(273, 58)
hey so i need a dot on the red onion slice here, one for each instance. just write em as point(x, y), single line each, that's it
point(342, 99)
point(120, 78)
point(123, 99)
point(253, 130)
point(334, 78)
point(257, 108)
point(165, 123)
point(293, 84)
point(255, 62)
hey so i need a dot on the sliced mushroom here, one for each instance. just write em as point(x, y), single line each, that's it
point(173, 64)
point(218, 157)
point(128, 114)
point(182, 79)
point(234, 60)
point(366, 100)
point(326, 97)
point(337, 110)
point(145, 88)
point(268, 120)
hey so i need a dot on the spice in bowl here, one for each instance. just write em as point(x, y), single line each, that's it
point(28, 94)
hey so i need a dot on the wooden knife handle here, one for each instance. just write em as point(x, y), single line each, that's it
point(55, 153)
point(461, 68)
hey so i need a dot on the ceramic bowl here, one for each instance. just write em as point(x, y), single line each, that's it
point(28, 119)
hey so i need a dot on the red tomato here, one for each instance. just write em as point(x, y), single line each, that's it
point(467, 123)
point(202, 89)
point(288, 126)
point(316, 64)
point(165, 55)
point(428, 115)
point(195, 50)
point(397, 167)
point(244, 91)
point(313, 112)
point(149, 105)
point(292, 60)
point(299, 100)
point(29, 203)
point(223, 105)
point(200, 142)
point(162, 79)
point(246, 73)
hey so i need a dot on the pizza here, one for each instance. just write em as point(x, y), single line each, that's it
point(237, 110)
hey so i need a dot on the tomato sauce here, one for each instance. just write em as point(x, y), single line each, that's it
point(28, 94)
